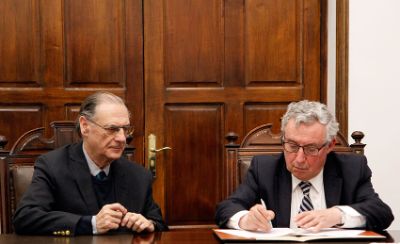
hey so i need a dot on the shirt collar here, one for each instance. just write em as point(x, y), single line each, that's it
point(316, 182)
point(94, 169)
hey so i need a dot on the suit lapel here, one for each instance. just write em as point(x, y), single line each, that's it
point(81, 173)
point(332, 182)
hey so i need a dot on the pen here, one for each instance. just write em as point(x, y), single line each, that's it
point(263, 203)
point(265, 206)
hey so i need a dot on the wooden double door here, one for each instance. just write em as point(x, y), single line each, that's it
point(190, 71)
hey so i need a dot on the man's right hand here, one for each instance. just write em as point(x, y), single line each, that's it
point(257, 219)
point(110, 217)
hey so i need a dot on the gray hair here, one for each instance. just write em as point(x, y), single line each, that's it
point(89, 105)
point(308, 112)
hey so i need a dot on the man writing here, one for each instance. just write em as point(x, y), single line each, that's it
point(308, 185)
point(87, 187)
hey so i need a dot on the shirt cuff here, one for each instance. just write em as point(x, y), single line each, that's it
point(233, 221)
point(352, 218)
point(94, 225)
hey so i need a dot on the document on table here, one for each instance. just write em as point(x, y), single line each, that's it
point(301, 235)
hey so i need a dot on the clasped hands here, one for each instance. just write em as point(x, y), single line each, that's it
point(113, 216)
point(259, 219)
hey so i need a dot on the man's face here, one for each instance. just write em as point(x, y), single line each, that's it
point(102, 145)
point(302, 166)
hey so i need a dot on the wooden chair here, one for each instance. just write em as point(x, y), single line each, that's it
point(16, 166)
point(261, 140)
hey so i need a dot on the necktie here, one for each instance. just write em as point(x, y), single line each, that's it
point(306, 204)
point(101, 176)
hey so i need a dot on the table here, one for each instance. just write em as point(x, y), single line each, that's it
point(174, 236)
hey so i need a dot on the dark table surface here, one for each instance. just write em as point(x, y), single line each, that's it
point(173, 236)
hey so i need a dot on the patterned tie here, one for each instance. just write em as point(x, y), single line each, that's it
point(101, 176)
point(306, 204)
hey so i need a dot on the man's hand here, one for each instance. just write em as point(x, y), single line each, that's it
point(317, 219)
point(109, 217)
point(137, 222)
point(257, 219)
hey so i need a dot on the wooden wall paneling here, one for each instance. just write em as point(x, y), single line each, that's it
point(198, 53)
point(262, 71)
point(72, 111)
point(154, 88)
point(256, 114)
point(29, 116)
point(52, 43)
point(59, 52)
point(173, 80)
point(311, 39)
point(193, 50)
point(324, 51)
point(94, 43)
point(194, 167)
point(134, 96)
point(274, 60)
point(19, 44)
point(234, 43)
point(342, 65)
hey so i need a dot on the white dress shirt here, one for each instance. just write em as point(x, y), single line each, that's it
point(352, 218)
point(94, 170)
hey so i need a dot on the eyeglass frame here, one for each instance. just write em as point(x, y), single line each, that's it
point(112, 129)
point(303, 147)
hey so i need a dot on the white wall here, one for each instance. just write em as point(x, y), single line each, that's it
point(374, 91)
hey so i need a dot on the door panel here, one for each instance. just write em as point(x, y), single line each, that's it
point(59, 52)
point(273, 46)
point(19, 44)
point(189, 71)
point(94, 43)
point(193, 133)
point(216, 66)
point(192, 51)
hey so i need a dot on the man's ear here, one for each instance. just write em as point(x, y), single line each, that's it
point(83, 125)
point(332, 144)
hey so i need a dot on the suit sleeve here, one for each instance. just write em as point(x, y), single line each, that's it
point(35, 214)
point(246, 195)
point(151, 210)
point(367, 202)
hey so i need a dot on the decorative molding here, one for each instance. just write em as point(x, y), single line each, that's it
point(342, 55)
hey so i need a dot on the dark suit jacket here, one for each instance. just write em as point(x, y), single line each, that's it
point(347, 181)
point(62, 192)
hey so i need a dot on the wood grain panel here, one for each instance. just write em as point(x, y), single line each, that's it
point(19, 47)
point(18, 119)
point(193, 180)
point(72, 111)
point(95, 42)
point(193, 50)
point(272, 41)
point(52, 51)
point(256, 114)
point(234, 43)
point(312, 46)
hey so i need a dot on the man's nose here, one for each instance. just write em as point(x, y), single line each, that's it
point(120, 136)
point(300, 156)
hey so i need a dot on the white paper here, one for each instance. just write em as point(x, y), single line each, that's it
point(276, 232)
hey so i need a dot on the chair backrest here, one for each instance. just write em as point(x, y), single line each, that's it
point(261, 140)
point(16, 166)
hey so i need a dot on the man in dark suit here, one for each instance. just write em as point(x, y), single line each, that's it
point(308, 185)
point(88, 188)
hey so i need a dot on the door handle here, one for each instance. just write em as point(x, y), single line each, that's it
point(151, 153)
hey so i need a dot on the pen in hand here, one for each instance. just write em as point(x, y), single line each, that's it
point(265, 206)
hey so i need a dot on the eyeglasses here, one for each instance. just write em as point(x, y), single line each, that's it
point(113, 129)
point(309, 150)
